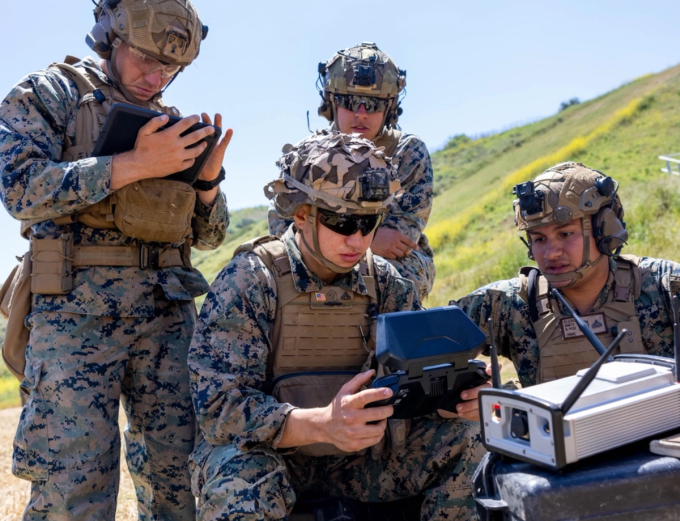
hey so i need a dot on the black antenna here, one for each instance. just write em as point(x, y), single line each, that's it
point(308, 127)
point(495, 369)
point(582, 325)
point(590, 374)
point(676, 335)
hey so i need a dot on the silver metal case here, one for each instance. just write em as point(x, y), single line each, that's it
point(631, 398)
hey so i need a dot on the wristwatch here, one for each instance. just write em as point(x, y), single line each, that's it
point(205, 186)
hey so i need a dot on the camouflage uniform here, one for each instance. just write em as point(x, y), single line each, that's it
point(408, 213)
point(515, 334)
point(238, 471)
point(121, 333)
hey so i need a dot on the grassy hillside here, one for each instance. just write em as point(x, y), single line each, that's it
point(620, 133)
point(471, 227)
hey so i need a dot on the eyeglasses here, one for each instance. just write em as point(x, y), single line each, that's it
point(150, 65)
point(349, 224)
point(351, 102)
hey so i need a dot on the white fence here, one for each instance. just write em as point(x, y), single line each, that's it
point(670, 159)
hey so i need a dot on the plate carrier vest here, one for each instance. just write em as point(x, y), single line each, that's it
point(320, 340)
point(563, 352)
point(140, 209)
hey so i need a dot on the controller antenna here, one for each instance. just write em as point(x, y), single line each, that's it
point(495, 368)
point(676, 336)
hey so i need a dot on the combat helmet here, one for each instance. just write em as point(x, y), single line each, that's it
point(340, 173)
point(569, 191)
point(364, 71)
point(169, 31)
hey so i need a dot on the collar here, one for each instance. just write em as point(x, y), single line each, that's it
point(306, 281)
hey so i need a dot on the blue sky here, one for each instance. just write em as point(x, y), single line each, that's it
point(472, 66)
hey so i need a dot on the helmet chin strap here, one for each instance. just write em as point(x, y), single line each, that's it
point(316, 251)
point(586, 264)
point(115, 75)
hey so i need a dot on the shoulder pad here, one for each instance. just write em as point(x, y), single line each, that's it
point(270, 250)
point(635, 276)
point(631, 259)
point(525, 270)
point(167, 109)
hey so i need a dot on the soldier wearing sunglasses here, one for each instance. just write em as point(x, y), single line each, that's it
point(285, 343)
point(360, 89)
point(110, 307)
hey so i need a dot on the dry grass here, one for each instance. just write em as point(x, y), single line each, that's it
point(15, 491)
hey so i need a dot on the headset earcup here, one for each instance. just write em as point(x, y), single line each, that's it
point(610, 232)
point(325, 109)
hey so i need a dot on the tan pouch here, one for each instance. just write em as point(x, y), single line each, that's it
point(15, 298)
point(309, 390)
point(51, 265)
point(155, 210)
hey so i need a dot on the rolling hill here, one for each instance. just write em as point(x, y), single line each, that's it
point(472, 226)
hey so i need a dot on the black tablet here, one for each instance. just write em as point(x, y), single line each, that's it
point(122, 125)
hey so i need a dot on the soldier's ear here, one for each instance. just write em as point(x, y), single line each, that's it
point(301, 216)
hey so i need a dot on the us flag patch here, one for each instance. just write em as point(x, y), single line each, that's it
point(320, 297)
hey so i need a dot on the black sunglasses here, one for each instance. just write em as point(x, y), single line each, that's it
point(349, 224)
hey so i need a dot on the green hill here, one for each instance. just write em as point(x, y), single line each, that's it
point(620, 133)
point(471, 227)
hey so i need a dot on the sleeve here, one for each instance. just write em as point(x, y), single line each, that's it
point(35, 119)
point(411, 209)
point(660, 282)
point(228, 358)
point(277, 224)
point(210, 223)
point(394, 292)
point(514, 333)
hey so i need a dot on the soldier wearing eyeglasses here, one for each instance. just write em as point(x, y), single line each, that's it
point(285, 342)
point(360, 88)
point(110, 307)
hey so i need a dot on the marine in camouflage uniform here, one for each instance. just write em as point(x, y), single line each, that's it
point(121, 333)
point(507, 303)
point(240, 471)
point(410, 210)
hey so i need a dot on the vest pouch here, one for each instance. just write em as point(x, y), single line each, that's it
point(51, 265)
point(309, 390)
point(155, 210)
point(16, 304)
point(100, 215)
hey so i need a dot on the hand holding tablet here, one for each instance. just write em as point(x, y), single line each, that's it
point(167, 146)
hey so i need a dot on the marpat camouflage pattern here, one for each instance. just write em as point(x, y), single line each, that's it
point(122, 332)
point(408, 213)
point(515, 334)
point(239, 473)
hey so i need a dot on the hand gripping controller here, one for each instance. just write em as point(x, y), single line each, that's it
point(430, 352)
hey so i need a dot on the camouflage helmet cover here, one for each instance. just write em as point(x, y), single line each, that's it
point(563, 193)
point(168, 30)
point(362, 70)
point(334, 171)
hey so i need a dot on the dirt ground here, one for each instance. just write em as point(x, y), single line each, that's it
point(15, 491)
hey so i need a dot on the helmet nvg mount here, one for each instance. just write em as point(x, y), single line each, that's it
point(341, 173)
point(571, 191)
point(169, 31)
point(362, 70)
